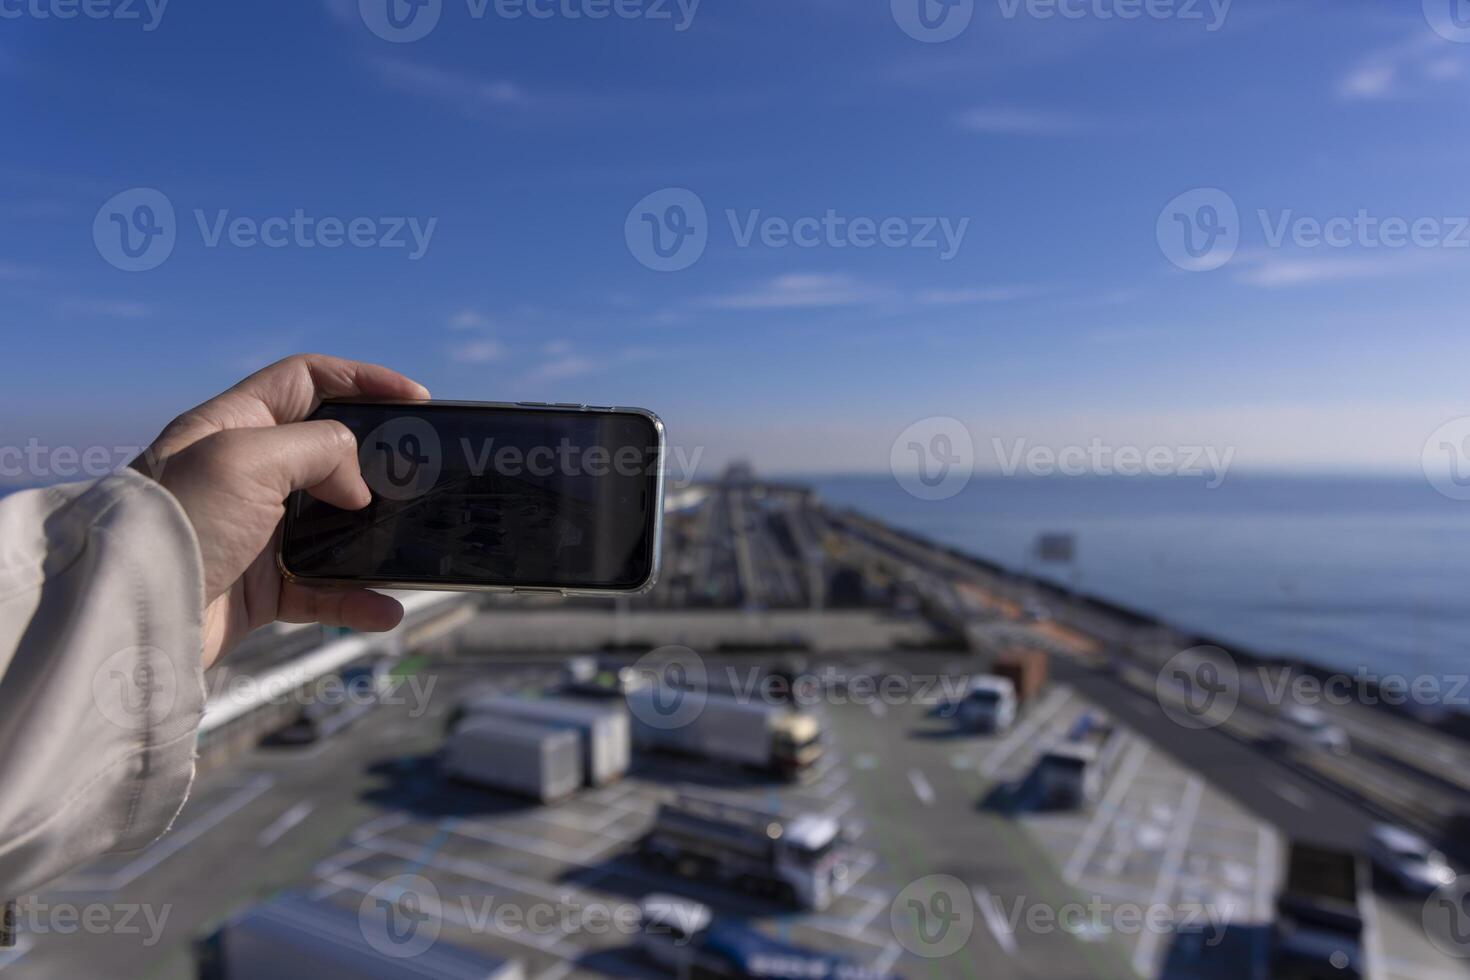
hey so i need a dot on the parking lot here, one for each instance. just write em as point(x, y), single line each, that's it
point(924, 805)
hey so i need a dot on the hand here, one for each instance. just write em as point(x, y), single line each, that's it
point(231, 463)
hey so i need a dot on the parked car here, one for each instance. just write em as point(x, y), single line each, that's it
point(1408, 860)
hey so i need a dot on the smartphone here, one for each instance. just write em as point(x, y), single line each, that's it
point(525, 497)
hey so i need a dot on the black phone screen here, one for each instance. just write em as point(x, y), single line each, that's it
point(475, 495)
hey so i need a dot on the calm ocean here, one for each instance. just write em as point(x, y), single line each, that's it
point(1348, 572)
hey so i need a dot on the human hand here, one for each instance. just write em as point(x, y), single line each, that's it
point(231, 463)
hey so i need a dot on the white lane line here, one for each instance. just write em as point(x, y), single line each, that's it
point(1291, 795)
point(1106, 812)
point(1027, 731)
point(921, 786)
point(285, 822)
point(994, 921)
point(1169, 868)
point(174, 842)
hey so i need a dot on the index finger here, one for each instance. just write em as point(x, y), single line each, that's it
point(287, 391)
point(291, 389)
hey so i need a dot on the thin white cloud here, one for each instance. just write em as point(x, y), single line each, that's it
point(798, 291)
point(483, 351)
point(468, 319)
point(1403, 69)
point(1021, 122)
point(1278, 270)
point(465, 91)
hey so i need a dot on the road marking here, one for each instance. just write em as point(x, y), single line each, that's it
point(176, 841)
point(285, 822)
point(1024, 734)
point(994, 921)
point(1169, 868)
point(1291, 795)
point(1106, 811)
point(921, 786)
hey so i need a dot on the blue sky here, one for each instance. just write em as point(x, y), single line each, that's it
point(1058, 141)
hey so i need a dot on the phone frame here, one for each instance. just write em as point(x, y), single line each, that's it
point(655, 566)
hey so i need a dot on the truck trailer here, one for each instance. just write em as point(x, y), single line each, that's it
point(296, 937)
point(602, 726)
point(802, 860)
point(1319, 921)
point(771, 737)
point(543, 762)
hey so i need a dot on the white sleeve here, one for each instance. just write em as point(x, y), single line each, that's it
point(101, 678)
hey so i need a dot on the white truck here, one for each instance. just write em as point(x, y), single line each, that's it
point(989, 706)
point(543, 762)
point(771, 737)
point(603, 727)
point(296, 937)
point(1070, 774)
point(803, 860)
